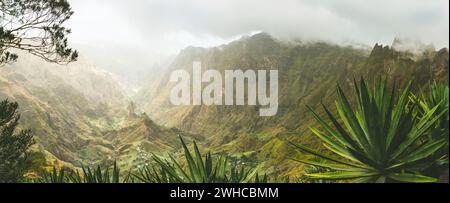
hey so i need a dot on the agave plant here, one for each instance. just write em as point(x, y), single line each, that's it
point(196, 170)
point(98, 175)
point(87, 175)
point(56, 176)
point(154, 174)
point(264, 179)
point(378, 141)
point(436, 94)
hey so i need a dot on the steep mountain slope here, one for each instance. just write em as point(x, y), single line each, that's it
point(83, 115)
point(308, 74)
point(138, 134)
point(78, 113)
point(63, 118)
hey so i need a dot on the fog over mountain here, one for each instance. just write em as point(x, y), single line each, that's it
point(231, 91)
point(157, 29)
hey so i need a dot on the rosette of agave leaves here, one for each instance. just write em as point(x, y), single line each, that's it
point(384, 137)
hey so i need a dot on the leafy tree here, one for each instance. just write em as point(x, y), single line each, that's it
point(14, 156)
point(382, 140)
point(35, 26)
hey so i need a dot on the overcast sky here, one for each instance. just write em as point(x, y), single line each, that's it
point(162, 27)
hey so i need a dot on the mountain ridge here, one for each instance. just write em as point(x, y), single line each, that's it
point(308, 74)
point(82, 115)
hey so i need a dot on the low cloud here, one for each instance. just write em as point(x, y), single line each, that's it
point(172, 21)
point(163, 27)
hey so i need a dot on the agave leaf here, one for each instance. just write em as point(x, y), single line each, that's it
point(388, 111)
point(221, 167)
point(381, 179)
point(351, 122)
point(349, 140)
point(193, 168)
point(343, 138)
point(369, 179)
point(339, 167)
point(208, 165)
point(116, 173)
point(412, 178)
point(342, 175)
point(338, 147)
point(424, 124)
point(178, 166)
point(421, 153)
point(248, 176)
point(364, 105)
point(348, 156)
point(324, 156)
point(200, 164)
point(398, 114)
point(167, 169)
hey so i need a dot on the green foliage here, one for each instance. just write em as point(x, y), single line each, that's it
point(35, 26)
point(14, 156)
point(436, 94)
point(87, 175)
point(311, 169)
point(379, 141)
point(56, 176)
point(196, 170)
point(263, 179)
point(98, 175)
